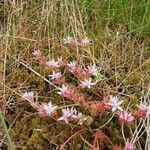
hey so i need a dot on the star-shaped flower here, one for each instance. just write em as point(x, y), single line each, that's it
point(46, 109)
point(68, 40)
point(72, 114)
point(85, 42)
point(55, 75)
point(67, 114)
point(29, 96)
point(125, 117)
point(37, 54)
point(64, 91)
point(72, 66)
point(87, 83)
point(144, 107)
point(92, 70)
point(143, 110)
point(52, 63)
point(129, 146)
point(114, 103)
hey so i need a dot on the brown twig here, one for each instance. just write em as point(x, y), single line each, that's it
point(85, 141)
point(63, 145)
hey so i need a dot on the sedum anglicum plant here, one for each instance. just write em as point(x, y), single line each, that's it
point(77, 94)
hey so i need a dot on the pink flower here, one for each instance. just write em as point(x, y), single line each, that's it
point(144, 108)
point(125, 117)
point(64, 91)
point(129, 146)
point(85, 42)
point(52, 63)
point(55, 75)
point(71, 114)
point(46, 109)
point(37, 54)
point(87, 83)
point(114, 103)
point(92, 70)
point(72, 66)
point(80, 118)
point(29, 96)
point(67, 114)
point(68, 40)
point(60, 61)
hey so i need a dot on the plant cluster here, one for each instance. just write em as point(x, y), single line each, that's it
point(78, 90)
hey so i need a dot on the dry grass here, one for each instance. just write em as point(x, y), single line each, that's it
point(122, 54)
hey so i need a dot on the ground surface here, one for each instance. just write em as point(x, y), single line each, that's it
point(119, 31)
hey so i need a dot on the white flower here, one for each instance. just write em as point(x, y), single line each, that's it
point(87, 83)
point(52, 63)
point(37, 54)
point(129, 146)
point(143, 107)
point(92, 70)
point(29, 96)
point(60, 61)
point(47, 109)
point(55, 75)
point(125, 117)
point(72, 66)
point(80, 118)
point(71, 113)
point(85, 41)
point(68, 40)
point(67, 114)
point(114, 103)
point(64, 91)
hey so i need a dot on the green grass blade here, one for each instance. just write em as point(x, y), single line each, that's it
point(11, 145)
